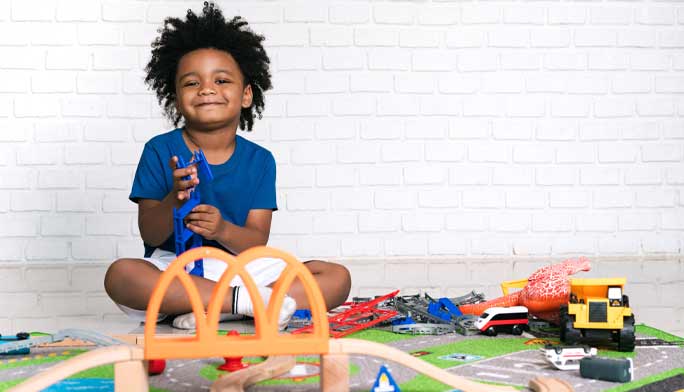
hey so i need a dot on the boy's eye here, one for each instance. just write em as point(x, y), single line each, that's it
point(221, 81)
point(191, 83)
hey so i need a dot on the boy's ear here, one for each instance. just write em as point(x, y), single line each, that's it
point(247, 96)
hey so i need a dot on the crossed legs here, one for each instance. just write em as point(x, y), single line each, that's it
point(130, 282)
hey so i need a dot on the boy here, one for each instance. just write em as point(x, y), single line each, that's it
point(211, 73)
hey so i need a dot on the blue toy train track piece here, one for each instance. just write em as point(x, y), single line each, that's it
point(302, 314)
point(444, 309)
point(203, 170)
point(403, 320)
point(450, 306)
point(182, 234)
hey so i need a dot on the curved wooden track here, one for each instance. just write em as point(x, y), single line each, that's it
point(241, 379)
point(548, 384)
point(130, 374)
point(127, 360)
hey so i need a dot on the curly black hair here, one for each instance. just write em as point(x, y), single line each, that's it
point(209, 30)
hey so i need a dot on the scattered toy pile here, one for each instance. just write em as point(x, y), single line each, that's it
point(412, 314)
point(584, 309)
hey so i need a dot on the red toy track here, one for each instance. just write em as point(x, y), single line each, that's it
point(352, 320)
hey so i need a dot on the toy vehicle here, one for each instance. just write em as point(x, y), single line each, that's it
point(567, 357)
point(512, 319)
point(607, 369)
point(598, 310)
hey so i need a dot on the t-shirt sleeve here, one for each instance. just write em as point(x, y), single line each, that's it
point(265, 195)
point(149, 181)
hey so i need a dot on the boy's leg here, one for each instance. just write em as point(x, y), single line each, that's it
point(130, 282)
point(333, 279)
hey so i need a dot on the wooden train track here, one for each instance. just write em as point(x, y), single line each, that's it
point(130, 373)
point(549, 384)
point(241, 379)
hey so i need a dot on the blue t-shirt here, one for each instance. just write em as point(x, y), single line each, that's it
point(245, 182)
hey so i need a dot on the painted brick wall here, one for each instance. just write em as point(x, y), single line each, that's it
point(435, 144)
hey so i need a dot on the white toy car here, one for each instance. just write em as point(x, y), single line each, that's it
point(567, 357)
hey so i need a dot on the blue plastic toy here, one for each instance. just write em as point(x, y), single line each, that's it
point(403, 320)
point(444, 309)
point(181, 233)
point(302, 314)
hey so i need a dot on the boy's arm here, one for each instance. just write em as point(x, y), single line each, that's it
point(206, 220)
point(155, 218)
point(255, 233)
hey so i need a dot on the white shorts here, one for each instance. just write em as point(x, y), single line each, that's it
point(264, 271)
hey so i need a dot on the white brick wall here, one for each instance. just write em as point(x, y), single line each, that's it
point(420, 133)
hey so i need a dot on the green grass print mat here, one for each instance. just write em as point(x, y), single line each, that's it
point(453, 352)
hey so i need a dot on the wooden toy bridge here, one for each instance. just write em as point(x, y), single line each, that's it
point(130, 360)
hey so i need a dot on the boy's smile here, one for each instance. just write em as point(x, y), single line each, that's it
point(210, 90)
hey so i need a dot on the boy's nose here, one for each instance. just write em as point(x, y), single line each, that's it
point(207, 88)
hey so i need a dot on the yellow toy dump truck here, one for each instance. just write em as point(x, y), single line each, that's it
point(598, 310)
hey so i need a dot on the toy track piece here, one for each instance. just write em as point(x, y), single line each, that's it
point(465, 325)
point(416, 307)
point(470, 298)
point(88, 336)
point(423, 329)
point(549, 384)
point(239, 380)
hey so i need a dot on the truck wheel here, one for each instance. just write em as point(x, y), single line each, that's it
point(572, 335)
point(563, 320)
point(491, 331)
point(516, 330)
point(615, 336)
point(626, 342)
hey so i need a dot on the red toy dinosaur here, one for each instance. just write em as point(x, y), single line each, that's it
point(547, 289)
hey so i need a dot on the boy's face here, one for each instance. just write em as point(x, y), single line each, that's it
point(210, 91)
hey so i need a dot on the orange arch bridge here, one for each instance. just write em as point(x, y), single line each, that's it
point(266, 341)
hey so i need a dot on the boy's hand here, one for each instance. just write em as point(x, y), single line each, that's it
point(206, 220)
point(180, 186)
